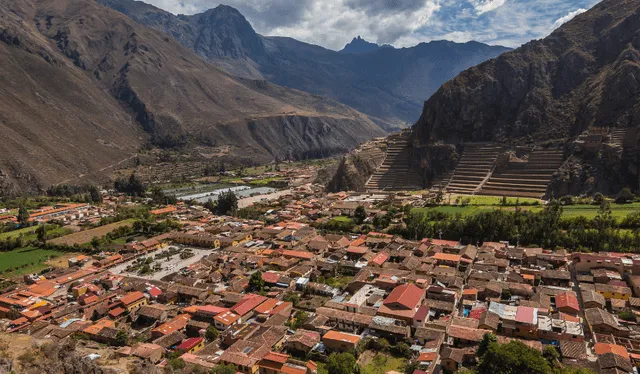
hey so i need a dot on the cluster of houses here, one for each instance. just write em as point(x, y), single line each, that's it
point(438, 297)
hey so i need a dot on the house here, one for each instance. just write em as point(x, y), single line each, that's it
point(146, 351)
point(558, 278)
point(302, 341)
point(609, 291)
point(602, 322)
point(176, 324)
point(592, 299)
point(133, 301)
point(225, 320)
point(340, 341)
point(191, 345)
point(567, 302)
point(403, 302)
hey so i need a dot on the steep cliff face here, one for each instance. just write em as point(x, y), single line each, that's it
point(83, 87)
point(385, 83)
point(586, 73)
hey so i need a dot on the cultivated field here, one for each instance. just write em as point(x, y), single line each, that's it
point(83, 237)
point(25, 261)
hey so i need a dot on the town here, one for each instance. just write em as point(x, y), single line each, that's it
point(287, 285)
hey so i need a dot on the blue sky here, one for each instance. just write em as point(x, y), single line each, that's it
point(402, 23)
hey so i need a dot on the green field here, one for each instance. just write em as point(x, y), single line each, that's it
point(618, 211)
point(376, 363)
point(29, 233)
point(25, 260)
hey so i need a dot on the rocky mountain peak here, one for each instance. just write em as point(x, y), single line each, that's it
point(359, 45)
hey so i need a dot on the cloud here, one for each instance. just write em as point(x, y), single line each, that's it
point(484, 6)
point(561, 21)
point(402, 23)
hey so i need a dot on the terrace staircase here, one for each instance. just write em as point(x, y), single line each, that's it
point(473, 169)
point(395, 172)
point(527, 179)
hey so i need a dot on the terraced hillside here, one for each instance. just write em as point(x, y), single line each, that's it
point(395, 172)
point(526, 179)
point(475, 166)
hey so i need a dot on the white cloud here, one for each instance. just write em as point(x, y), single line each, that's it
point(561, 21)
point(402, 23)
point(484, 6)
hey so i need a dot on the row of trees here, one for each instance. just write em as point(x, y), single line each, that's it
point(544, 228)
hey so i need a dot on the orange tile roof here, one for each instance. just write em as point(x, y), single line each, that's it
point(227, 318)
point(446, 257)
point(266, 306)
point(98, 326)
point(178, 323)
point(131, 298)
point(276, 357)
point(341, 336)
point(602, 348)
point(166, 210)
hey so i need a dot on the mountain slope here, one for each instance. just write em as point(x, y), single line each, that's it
point(386, 83)
point(84, 87)
point(586, 73)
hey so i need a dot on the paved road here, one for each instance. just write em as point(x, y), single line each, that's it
point(248, 201)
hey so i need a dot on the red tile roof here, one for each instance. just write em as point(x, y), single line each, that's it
point(567, 300)
point(380, 258)
point(408, 295)
point(247, 304)
point(270, 277)
point(189, 344)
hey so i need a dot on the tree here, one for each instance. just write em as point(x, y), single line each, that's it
point(95, 195)
point(627, 316)
point(379, 363)
point(551, 355)
point(212, 333)
point(227, 203)
point(41, 232)
point(341, 363)
point(625, 196)
point(122, 338)
point(256, 283)
point(224, 369)
point(23, 215)
point(293, 298)
point(487, 340)
point(513, 357)
point(299, 320)
point(177, 363)
point(360, 214)
point(401, 350)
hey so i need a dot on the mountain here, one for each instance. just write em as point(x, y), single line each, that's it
point(581, 80)
point(586, 73)
point(387, 84)
point(83, 88)
point(359, 45)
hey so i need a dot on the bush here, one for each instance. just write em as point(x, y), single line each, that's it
point(625, 197)
point(627, 316)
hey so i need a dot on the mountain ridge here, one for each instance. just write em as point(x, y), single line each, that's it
point(392, 94)
point(83, 92)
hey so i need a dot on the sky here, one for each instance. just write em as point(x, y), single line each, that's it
point(401, 23)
